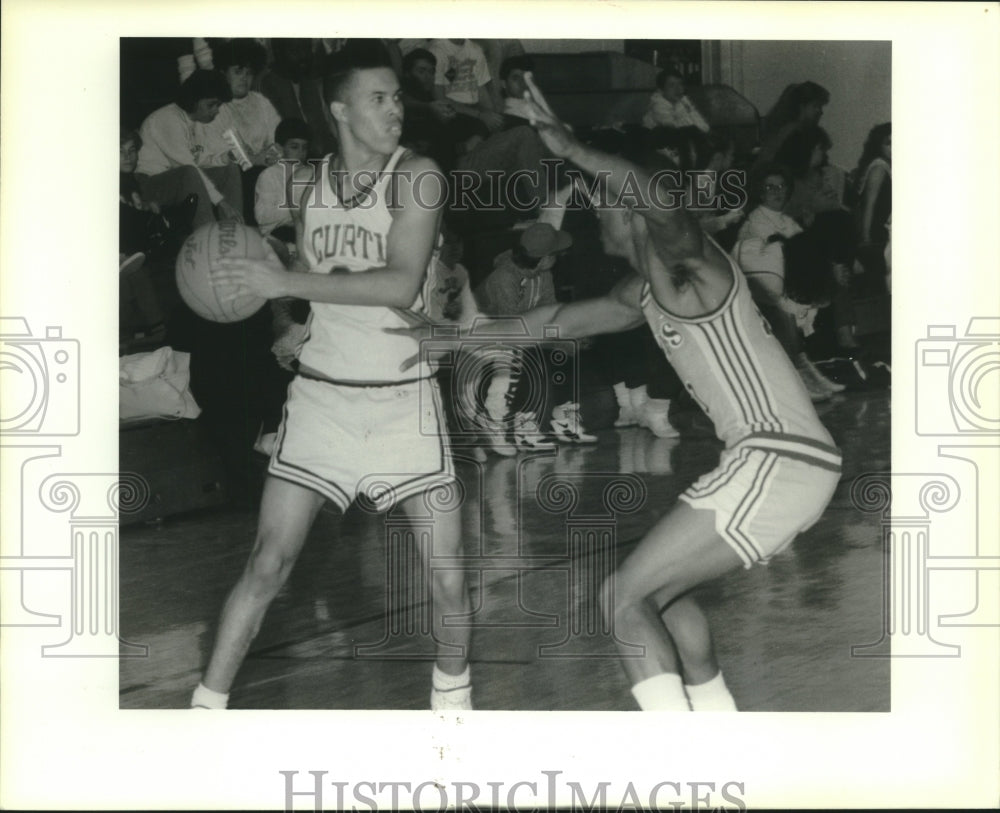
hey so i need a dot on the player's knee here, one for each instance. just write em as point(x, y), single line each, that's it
point(616, 601)
point(450, 585)
point(268, 569)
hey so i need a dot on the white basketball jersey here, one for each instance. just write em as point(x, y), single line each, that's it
point(740, 375)
point(347, 342)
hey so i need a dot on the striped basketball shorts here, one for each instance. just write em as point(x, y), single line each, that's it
point(385, 442)
point(762, 499)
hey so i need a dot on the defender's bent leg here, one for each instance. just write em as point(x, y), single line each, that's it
point(681, 551)
point(287, 512)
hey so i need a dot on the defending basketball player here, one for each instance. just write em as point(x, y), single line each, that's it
point(779, 468)
point(354, 424)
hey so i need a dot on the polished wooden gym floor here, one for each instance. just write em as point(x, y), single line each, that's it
point(348, 631)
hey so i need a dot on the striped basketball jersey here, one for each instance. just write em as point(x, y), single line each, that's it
point(740, 375)
point(347, 342)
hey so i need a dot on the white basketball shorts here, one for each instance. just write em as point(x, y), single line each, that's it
point(386, 442)
point(762, 500)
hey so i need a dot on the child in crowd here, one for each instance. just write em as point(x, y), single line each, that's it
point(280, 187)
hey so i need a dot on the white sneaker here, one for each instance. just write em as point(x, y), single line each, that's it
point(566, 424)
point(527, 435)
point(495, 437)
point(627, 415)
point(459, 699)
point(637, 397)
point(655, 417)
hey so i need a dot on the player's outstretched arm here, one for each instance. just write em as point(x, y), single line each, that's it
point(655, 198)
point(615, 312)
point(420, 194)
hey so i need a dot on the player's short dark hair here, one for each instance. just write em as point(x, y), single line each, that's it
point(665, 74)
point(356, 55)
point(521, 62)
point(239, 53)
point(289, 129)
point(417, 55)
point(200, 85)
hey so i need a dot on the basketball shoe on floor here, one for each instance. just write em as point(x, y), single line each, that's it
point(527, 435)
point(496, 437)
point(627, 416)
point(655, 417)
point(567, 426)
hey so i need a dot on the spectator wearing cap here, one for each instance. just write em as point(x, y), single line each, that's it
point(522, 276)
point(173, 163)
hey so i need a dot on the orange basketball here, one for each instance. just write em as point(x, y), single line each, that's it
point(209, 243)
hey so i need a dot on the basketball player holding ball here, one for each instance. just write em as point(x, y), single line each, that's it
point(354, 423)
point(779, 468)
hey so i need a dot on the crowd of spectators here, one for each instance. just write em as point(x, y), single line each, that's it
point(247, 116)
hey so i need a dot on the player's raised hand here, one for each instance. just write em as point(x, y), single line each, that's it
point(556, 135)
point(264, 277)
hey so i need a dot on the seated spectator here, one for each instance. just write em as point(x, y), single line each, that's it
point(426, 124)
point(874, 210)
point(498, 51)
point(173, 164)
point(513, 87)
point(805, 153)
point(768, 218)
point(248, 114)
point(669, 107)
point(294, 86)
point(815, 202)
point(463, 78)
point(715, 153)
point(280, 187)
point(799, 105)
point(142, 225)
point(761, 253)
point(522, 279)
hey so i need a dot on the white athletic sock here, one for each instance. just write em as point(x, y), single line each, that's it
point(621, 395)
point(663, 692)
point(205, 698)
point(444, 682)
point(713, 695)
